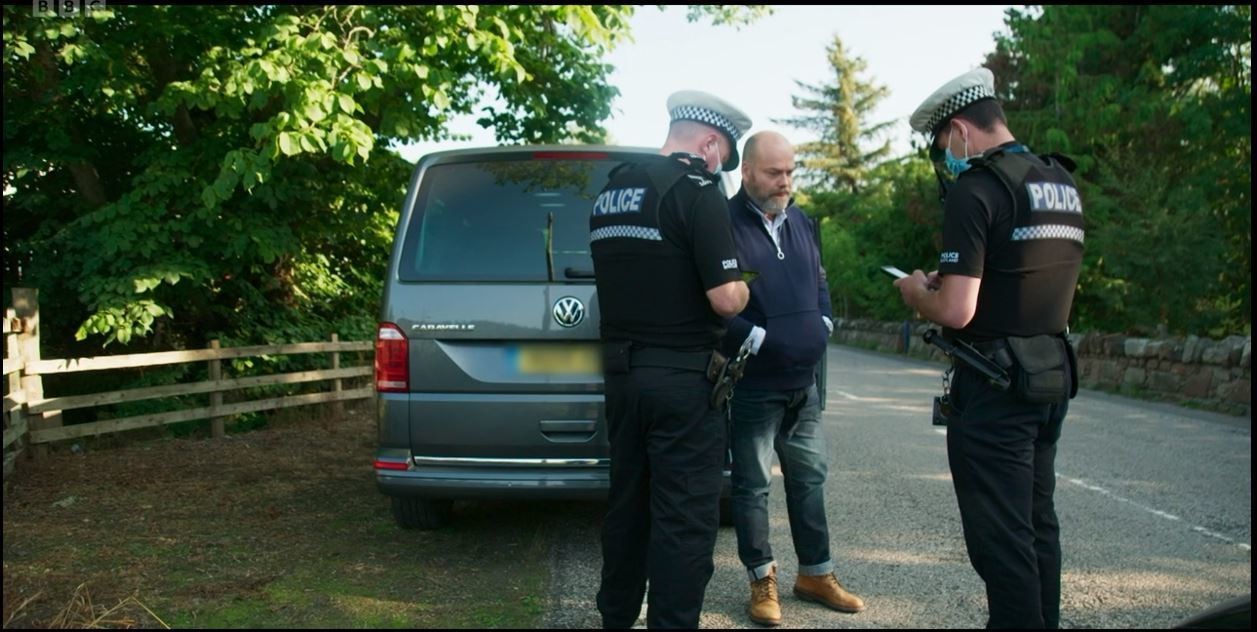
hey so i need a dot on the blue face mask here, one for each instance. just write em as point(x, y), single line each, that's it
point(953, 164)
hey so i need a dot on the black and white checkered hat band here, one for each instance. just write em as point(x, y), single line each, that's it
point(704, 115)
point(958, 102)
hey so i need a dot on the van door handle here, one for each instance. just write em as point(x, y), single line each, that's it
point(568, 430)
point(566, 425)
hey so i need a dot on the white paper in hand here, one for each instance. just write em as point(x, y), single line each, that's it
point(895, 272)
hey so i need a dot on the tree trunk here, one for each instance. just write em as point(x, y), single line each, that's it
point(87, 181)
point(165, 72)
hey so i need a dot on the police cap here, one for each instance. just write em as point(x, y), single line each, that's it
point(693, 105)
point(954, 96)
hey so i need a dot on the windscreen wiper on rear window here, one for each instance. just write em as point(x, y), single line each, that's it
point(569, 272)
point(550, 246)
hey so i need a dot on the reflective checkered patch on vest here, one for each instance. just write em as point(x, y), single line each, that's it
point(1048, 231)
point(630, 232)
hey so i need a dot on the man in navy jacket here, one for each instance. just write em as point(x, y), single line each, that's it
point(776, 406)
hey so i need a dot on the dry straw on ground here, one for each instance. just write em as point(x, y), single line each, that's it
point(80, 613)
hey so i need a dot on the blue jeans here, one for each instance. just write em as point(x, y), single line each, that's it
point(788, 422)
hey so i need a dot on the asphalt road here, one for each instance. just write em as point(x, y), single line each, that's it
point(1154, 503)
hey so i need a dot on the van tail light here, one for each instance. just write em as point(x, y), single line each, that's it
point(392, 367)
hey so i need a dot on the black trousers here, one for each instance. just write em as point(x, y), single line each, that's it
point(667, 451)
point(1002, 453)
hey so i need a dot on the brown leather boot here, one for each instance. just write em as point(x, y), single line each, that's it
point(765, 609)
point(825, 590)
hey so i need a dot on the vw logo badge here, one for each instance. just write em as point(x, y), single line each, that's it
point(569, 311)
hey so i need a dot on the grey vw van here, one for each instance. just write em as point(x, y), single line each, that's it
point(486, 352)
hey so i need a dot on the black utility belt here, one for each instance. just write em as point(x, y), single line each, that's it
point(1039, 369)
point(1042, 369)
point(723, 373)
point(671, 358)
point(619, 357)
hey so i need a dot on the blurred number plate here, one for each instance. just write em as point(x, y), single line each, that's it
point(558, 359)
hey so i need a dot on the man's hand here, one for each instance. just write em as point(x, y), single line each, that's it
point(951, 303)
point(916, 285)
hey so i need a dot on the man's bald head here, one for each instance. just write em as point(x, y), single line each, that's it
point(765, 143)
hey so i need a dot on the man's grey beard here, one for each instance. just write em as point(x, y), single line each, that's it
point(773, 206)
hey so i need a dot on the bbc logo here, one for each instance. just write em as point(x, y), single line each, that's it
point(65, 8)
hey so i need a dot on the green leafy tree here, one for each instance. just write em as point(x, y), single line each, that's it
point(873, 210)
point(1155, 104)
point(736, 15)
point(176, 173)
point(838, 111)
point(894, 220)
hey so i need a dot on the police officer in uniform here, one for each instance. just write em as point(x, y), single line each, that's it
point(1012, 249)
point(668, 278)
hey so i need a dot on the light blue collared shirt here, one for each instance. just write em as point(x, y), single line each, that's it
point(773, 226)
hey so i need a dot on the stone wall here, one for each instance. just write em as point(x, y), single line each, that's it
point(1212, 374)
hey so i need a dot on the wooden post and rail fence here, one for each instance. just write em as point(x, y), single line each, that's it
point(33, 419)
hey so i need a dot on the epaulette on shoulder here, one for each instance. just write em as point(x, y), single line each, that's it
point(1065, 161)
point(678, 167)
point(986, 160)
point(694, 167)
point(618, 168)
point(701, 180)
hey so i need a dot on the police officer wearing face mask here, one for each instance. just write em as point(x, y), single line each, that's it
point(1012, 249)
point(668, 278)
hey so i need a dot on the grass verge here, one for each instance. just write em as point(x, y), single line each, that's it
point(272, 529)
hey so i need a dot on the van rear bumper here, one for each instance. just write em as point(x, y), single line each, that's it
point(454, 482)
point(583, 483)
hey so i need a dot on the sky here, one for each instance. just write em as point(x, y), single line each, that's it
point(911, 50)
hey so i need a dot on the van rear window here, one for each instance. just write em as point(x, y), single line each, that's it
point(515, 219)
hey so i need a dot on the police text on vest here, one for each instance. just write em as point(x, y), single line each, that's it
point(1053, 196)
point(617, 201)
